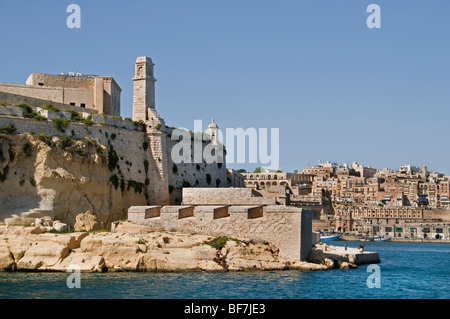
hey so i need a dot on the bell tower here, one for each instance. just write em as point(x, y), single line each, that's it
point(144, 88)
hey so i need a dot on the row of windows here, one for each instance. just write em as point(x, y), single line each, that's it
point(83, 105)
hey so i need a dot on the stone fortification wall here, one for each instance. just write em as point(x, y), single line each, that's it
point(192, 174)
point(288, 228)
point(59, 95)
point(36, 102)
point(143, 158)
point(224, 196)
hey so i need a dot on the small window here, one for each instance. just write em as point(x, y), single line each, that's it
point(72, 103)
point(83, 105)
point(41, 84)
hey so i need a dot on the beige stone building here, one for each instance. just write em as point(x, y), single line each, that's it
point(261, 180)
point(100, 94)
point(401, 222)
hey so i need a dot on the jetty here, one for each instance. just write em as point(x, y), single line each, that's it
point(342, 257)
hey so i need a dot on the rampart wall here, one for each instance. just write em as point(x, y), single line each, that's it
point(36, 102)
point(143, 157)
point(288, 228)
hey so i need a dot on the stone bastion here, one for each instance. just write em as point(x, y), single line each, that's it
point(288, 228)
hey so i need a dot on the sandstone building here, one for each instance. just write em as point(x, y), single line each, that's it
point(100, 94)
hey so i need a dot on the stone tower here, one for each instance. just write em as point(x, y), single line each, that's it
point(144, 89)
point(213, 131)
point(144, 110)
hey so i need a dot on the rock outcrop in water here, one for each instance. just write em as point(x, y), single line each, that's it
point(131, 247)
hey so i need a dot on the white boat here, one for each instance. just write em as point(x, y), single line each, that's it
point(375, 238)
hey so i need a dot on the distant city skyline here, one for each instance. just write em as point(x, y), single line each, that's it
point(337, 90)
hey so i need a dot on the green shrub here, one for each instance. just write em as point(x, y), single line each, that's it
point(50, 107)
point(87, 121)
point(34, 116)
point(45, 138)
point(60, 124)
point(25, 107)
point(113, 136)
point(27, 149)
point(39, 117)
point(158, 126)
point(9, 129)
point(5, 103)
point(147, 181)
point(64, 141)
point(76, 149)
point(74, 115)
point(218, 242)
point(55, 174)
point(32, 182)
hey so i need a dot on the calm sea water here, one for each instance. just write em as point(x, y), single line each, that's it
point(408, 270)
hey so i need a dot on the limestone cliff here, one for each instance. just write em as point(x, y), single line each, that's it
point(59, 177)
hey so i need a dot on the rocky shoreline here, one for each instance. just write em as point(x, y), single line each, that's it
point(130, 247)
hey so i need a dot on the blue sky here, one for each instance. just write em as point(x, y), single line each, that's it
point(336, 89)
